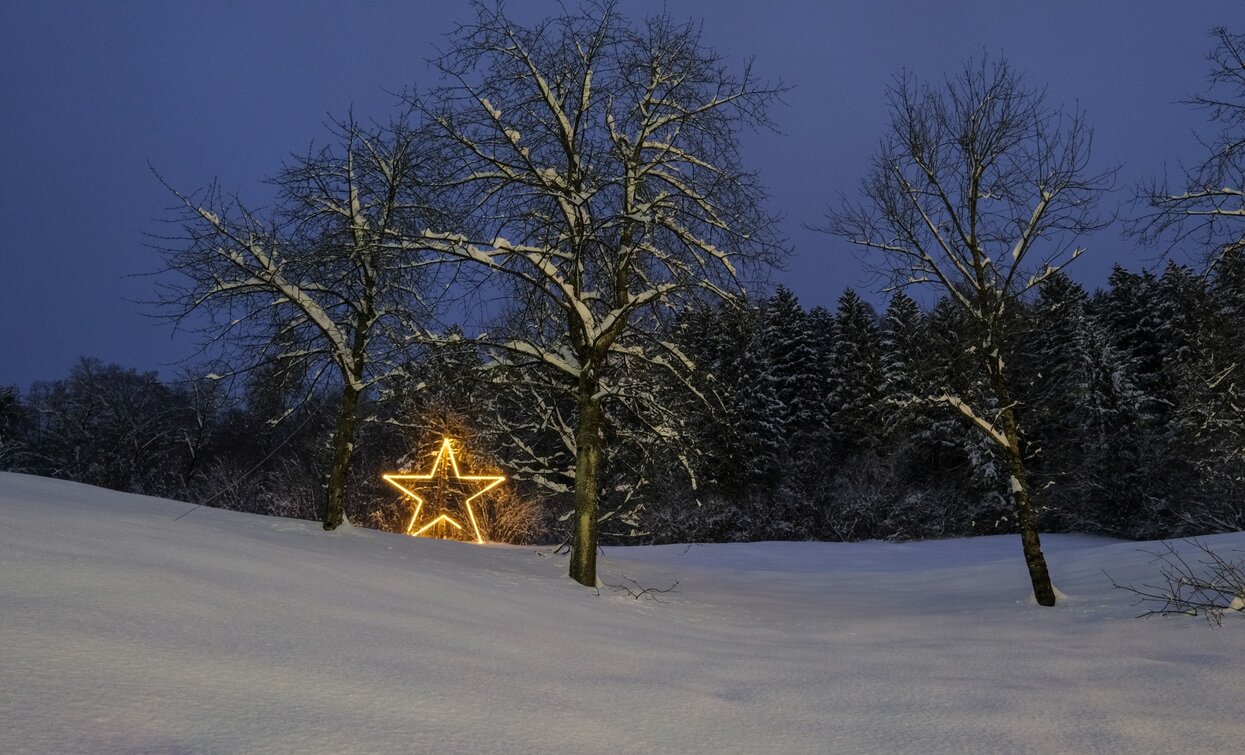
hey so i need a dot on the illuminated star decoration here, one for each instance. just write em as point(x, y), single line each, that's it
point(408, 483)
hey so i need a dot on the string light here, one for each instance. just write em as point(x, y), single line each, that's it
point(433, 523)
point(409, 483)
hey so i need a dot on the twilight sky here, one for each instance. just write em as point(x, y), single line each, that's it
point(91, 92)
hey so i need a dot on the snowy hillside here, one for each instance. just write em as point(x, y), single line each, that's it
point(122, 630)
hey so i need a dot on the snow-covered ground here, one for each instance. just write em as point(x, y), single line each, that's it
point(122, 630)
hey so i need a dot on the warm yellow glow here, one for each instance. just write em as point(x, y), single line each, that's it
point(408, 483)
point(433, 523)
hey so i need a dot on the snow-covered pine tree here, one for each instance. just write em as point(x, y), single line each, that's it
point(904, 389)
point(13, 429)
point(1227, 290)
point(854, 424)
point(907, 417)
point(800, 385)
point(1128, 311)
point(734, 450)
point(754, 398)
point(793, 367)
point(1204, 434)
point(1206, 209)
point(1081, 411)
point(821, 335)
point(1224, 424)
point(952, 478)
point(855, 379)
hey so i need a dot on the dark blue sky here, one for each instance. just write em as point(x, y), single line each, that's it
point(93, 91)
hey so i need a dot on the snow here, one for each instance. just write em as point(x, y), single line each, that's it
point(492, 111)
point(122, 630)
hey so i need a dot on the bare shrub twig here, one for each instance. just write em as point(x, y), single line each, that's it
point(637, 591)
point(1211, 586)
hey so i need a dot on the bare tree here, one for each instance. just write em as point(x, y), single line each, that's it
point(112, 427)
point(1205, 213)
point(1210, 208)
point(316, 284)
point(601, 159)
point(1213, 584)
point(980, 190)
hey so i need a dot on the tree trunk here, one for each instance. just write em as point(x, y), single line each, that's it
point(1039, 575)
point(587, 464)
point(343, 449)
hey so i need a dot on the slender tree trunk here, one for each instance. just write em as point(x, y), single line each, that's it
point(587, 464)
point(343, 449)
point(1039, 575)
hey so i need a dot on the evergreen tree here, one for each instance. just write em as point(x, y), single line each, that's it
point(1129, 311)
point(800, 383)
point(1222, 461)
point(904, 387)
point(855, 378)
point(1080, 401)
point(739, 451)
point(13, 429)
point(756, 441)
point(959, 482)
point(794, 371)
point(849, 462)
point(1203, 436)
point(821, 336)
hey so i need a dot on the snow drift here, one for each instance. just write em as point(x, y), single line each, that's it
point(122, 630)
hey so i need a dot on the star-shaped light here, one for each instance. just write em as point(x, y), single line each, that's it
point(409, 483)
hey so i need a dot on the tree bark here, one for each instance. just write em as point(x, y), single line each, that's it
point(343, 449)
point(587, 465)
point(1039, 575)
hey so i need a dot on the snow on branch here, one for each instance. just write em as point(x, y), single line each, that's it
point(967, 412)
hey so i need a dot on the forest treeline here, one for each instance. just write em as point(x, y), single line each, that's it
point(796, 424)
